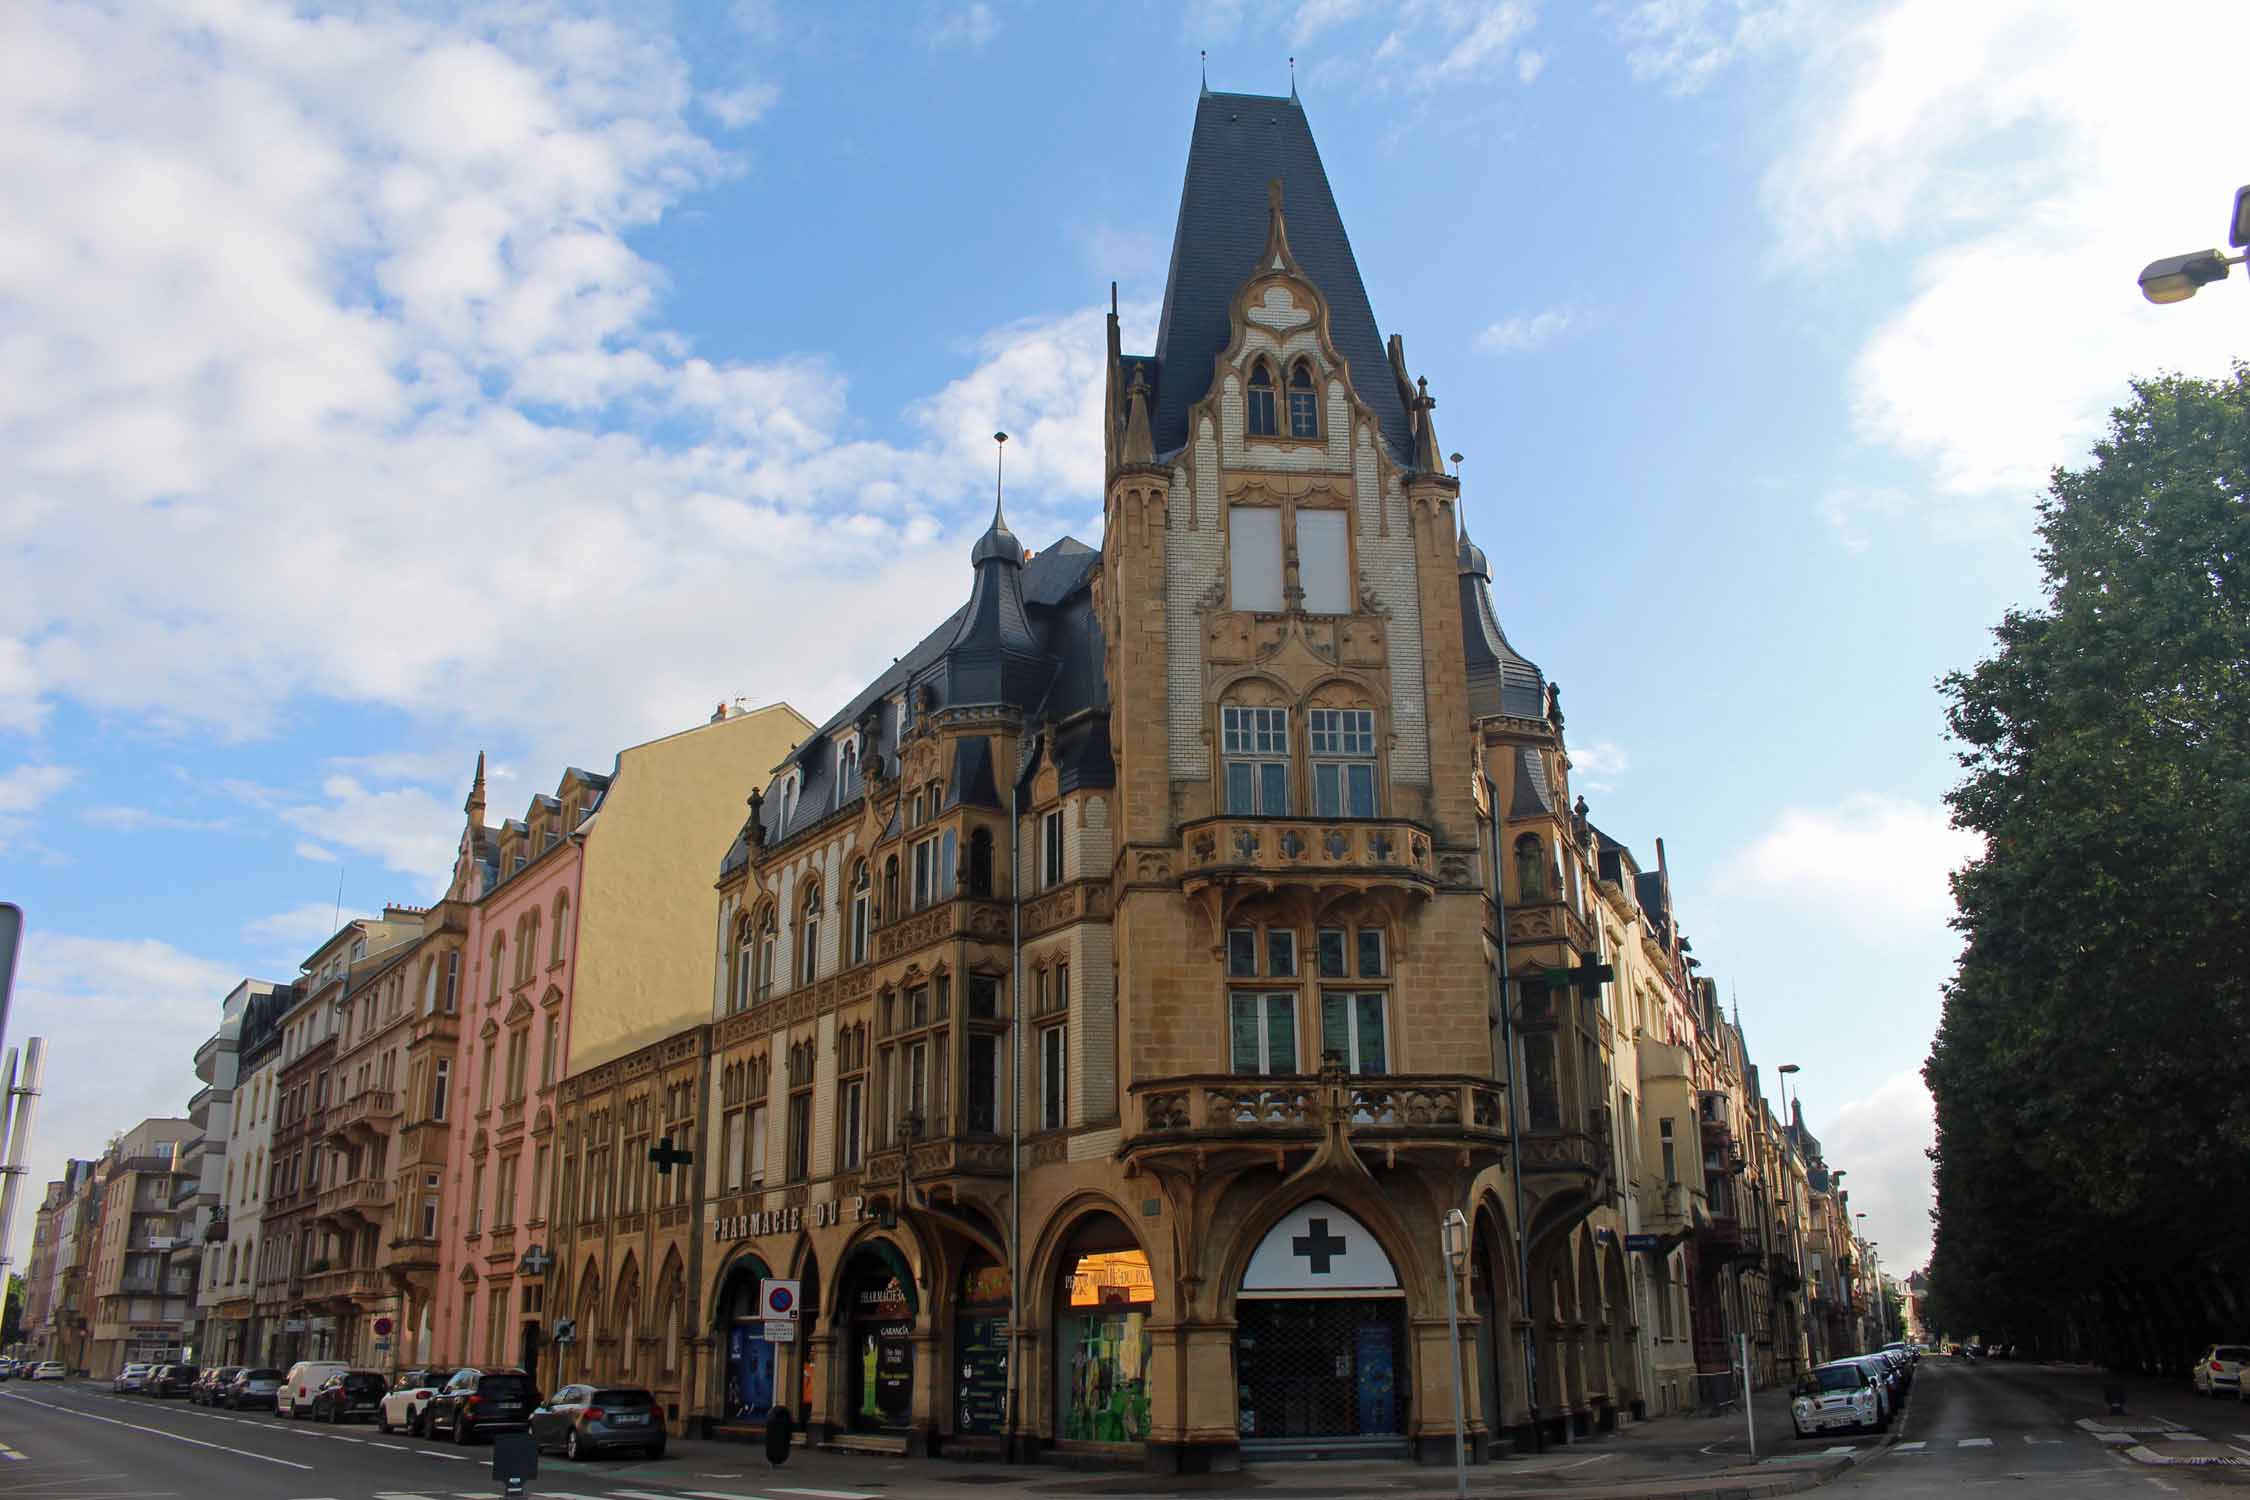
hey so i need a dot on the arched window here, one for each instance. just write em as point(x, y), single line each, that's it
point(1304, 402)
point(562, 921)
point(527, 953)
point(890, 888)
point(863, 896)
point(808, 935)
point(745, 958)
point(499, 962)
point(1262, 423)
point(1531, 862)
point(762, 975)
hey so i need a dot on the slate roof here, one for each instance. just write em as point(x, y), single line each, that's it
point(1501, 679)
point(1027, 640)
point(1532, 796)
point(1239, 144)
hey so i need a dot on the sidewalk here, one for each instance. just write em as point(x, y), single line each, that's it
point(1671, 1458)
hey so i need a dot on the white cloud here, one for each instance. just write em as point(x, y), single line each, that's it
point(1441, 42)
point(1594, 764)
point(744, 105)
point(307, 849)
point(23, 791)
point(1529, 65)
point(145, 820)
point(1881, 1141)
point(1683, 44)
point(302, 928)
point(2022, 161)
point(1522, 334)
point(1876, 863)
point(385, 262)
point(122, 1020)
point(955, 25)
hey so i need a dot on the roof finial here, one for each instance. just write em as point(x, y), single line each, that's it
point(1278, 256)
point(1425, 431)
point(1204, 64)
point(1292, 77)
point(999, 473)
point(1139, 447)
point(998, 541)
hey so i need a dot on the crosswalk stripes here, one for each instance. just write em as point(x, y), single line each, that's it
point(1916, 1446)
point(1974, 1443)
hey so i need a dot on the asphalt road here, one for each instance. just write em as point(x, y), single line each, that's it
point(75, 1441)
point(1967, 1427)
point(1986, 1425)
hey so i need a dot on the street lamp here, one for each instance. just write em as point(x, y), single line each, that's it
point(2176, 278)
point(1453, 1238)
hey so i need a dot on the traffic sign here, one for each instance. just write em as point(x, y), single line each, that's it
point(1640, 1242)
point(781, 1330)
point(778, 1300)
point(382, 1327)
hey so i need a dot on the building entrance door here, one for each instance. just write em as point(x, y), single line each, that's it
point(1320, 1340)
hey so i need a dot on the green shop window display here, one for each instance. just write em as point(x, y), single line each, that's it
point(1102, 1348)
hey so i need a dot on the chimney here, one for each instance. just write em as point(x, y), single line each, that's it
point(719, 714)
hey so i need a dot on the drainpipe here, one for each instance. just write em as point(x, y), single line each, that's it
point(1515, 1135)
point(1016, 1436)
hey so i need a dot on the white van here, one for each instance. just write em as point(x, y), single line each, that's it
point(304, 1377)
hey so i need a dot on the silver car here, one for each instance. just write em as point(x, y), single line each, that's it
point(585, 1419)
point(134, 1377)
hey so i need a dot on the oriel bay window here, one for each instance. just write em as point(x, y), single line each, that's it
point(911, 1076)
point(1354, 1022)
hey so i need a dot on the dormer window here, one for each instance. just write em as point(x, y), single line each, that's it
point(1304, 402)
point(846, 765)
point(1262, 412)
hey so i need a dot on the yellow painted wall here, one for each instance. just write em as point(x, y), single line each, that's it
point(646, 954)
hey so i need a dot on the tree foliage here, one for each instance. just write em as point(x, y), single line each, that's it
point(2092, 1068)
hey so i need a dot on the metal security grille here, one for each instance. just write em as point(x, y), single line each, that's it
point(1320, 1369)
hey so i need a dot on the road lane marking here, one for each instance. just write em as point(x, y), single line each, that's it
point(1974, 1443)
point(158, 1431)
point(825, 1494)
point(1842, 1448)
point(10, 1454)
point(1914, 1447)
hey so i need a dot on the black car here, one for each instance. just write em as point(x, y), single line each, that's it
point(212, 1384)
point(475, 1401)
point(584, 1419)
point(173, 1380)
point(349, 1395)
point(252, 1387)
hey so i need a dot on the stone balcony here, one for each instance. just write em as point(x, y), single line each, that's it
point(366, 1197)
point(353, 1283)
point(1205, 1115)
point(364, 1110)
point(1571, 1153)
point(1721, 1234)
point(1370, 853)
point(1665, 1210)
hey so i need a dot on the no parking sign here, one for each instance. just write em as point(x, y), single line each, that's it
point(777, 1304)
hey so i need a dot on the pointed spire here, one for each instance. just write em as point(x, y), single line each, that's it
point(1138, 447)
point(1277, 256)
point(998, 543)
point(474, 807)
point(1203, 63)
point(1292, 77)
point(1426, 458)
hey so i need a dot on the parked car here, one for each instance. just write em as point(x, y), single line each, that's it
point(1903, 1363)
point(134, 1377)
point(252, 1388)
point(1839, 1395)
point(7, 1369)
point(2219, 1371)
point(1885, 1376)
point(347, 1396)
point(586, 1419)
point(48, 1369)
point(474, 1401)
point(403, 1403)
point(211, 1382)
point(174, 1380)
point(305, 1376)
point(1902, 1347)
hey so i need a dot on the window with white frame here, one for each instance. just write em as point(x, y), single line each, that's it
point(1260, 402)
point(762, 972)
point(808, 937)
point(1343, 762)
point(1262, 1021)
point(1255, 751)
point(1304, 402)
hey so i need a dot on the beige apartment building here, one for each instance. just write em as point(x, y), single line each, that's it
point(137, 1305)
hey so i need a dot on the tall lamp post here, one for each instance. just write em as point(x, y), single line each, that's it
point(2176, 278)
point(1453, 1235)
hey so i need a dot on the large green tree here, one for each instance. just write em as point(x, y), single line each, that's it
point(2092, 1068)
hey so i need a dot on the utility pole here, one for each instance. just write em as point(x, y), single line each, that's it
point(17, 1099)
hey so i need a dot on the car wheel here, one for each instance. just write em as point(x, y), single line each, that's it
point(570, 1445)
point(656, 1450)
point(418, 1423)
point(383, 1420)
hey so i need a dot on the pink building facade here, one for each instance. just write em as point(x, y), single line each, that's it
point(522, 881)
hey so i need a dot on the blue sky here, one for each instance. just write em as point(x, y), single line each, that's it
point(384, 386)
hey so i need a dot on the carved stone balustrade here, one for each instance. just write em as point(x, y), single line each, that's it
point(1209, 1115)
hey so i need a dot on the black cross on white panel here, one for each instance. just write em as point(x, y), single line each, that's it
point(1319, 1247)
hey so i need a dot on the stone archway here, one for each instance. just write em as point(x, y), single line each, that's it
point(742, 1367)
point(1623, 1313)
